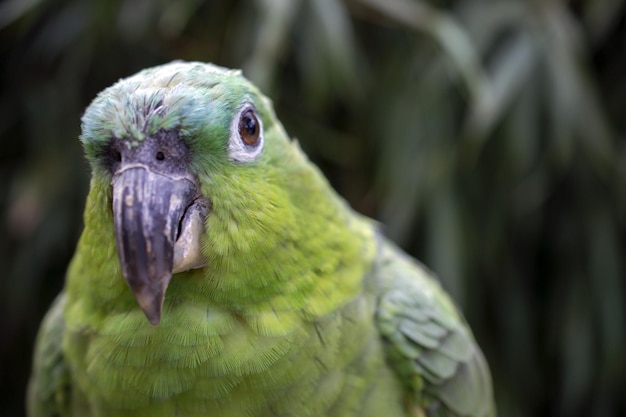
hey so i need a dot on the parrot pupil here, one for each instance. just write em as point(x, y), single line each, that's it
point(248, 128)
point(160, 156)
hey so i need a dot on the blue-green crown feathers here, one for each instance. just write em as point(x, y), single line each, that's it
point(178, 96)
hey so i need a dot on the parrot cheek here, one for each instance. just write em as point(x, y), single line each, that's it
point(148, 208)
point(187, 249)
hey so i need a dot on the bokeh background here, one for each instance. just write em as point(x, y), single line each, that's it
point(486, 135)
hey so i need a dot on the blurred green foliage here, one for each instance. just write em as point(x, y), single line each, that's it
point(486, 135)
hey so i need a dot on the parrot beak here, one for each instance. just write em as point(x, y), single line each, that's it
point(151, 211)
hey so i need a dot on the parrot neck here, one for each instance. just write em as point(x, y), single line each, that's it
point(294, 246)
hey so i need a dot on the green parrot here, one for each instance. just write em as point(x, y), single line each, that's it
point(218, 274)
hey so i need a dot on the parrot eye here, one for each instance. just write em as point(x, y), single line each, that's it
point(249, 128)
point(246, 135)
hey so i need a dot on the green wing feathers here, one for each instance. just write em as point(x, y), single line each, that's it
point(428, 342)
point(48, 390)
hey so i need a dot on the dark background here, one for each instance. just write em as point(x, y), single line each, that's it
point(488, 137)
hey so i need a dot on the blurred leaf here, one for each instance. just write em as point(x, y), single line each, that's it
point(577, 346)
point(62, 31)
point(512, 67)
point(176, 15)
point(601, 16)
point(12, 10)
point(327, 52)
point(445, 243)
point(416, 159)
point(276, 17)
point(443, 29)
point(608, 288)
point(486, 26)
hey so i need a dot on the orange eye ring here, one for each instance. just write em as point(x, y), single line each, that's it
point(249, 130)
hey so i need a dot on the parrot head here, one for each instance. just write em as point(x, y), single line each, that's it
point(175, 146)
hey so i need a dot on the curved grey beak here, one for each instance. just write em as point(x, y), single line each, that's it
point(148, 208)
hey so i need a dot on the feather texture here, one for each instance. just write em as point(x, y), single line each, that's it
point(300, 309)
point(428, 341)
